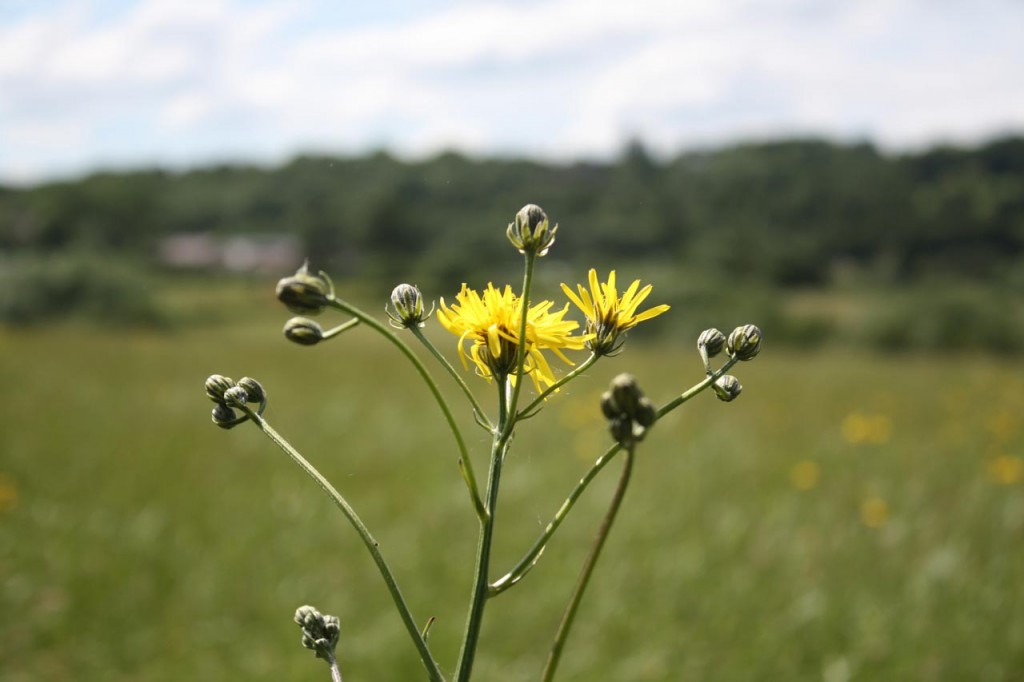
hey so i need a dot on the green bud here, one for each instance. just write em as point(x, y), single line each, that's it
point(626, 394)
point(319, 632)
point(305, 294)
point(407, 302)
point(744, 342)
point(236, 396)
point(727, 388)
point(621, 429)
point(216, 385)
point(645, 413)
point(712, 341)
point(303, 331)
point(224, 416)
point(628, 412)
point(608, 407)
point(531, 232)
point(254, 390)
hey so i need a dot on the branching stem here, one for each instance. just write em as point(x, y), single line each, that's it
point(364, 534)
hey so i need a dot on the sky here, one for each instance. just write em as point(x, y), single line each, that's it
point(115, 84)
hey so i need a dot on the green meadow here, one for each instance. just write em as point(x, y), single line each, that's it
point(852, 516)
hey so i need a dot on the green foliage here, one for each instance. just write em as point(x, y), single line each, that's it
point(946, 318)
point(737, 228)
point(784, 212)
point(36, 289)
point(721, 566)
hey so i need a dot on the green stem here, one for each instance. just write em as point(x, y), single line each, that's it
point(335, 672)
point(364, 534)
point(466, 464)
point(580, 369)
point(418, 333)
point(696, 388)
point(521, 356)
point(533, 555)
point(569, 616)
point(481, 591)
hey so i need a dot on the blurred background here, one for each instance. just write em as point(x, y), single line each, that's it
point(849, 176)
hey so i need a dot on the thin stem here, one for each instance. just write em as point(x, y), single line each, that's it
point(335, 672)
point(580, 369)
point(696, 388)
point(418, 333)
point(531, 557)
point(340, 328)
point(364, 534)
point(481, 591)
point(524, 299)
point(468, 476)
point(569, 616)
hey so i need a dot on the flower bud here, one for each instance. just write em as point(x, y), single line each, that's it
point(304, 293)
point(224, 416)
point(621, 429)
point(531, 232)
point(254, 390)
point(712, 341)
point(319, 632)
point(608, 407)
point(626, 394)
point(646, 415)
point(303, 331)
point(236, 396)
point(216, 385)
point(727, 388)
point(407, 302)
point(744, 342)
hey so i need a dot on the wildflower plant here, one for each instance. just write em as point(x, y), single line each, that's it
point(502, 336)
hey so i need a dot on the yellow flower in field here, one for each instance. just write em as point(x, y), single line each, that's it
point(860, 428)
point(805, 475)
point(608, 315)
point(874, 512)
point(8, 493)
point(491, 323)
point(1006, 469)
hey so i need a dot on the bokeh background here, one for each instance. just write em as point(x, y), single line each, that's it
point(849, 176)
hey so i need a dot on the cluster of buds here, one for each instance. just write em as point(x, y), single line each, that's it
point(531, 232)
point(744, 343)
point(228, 395)
point(319, 632)
point(628, 411)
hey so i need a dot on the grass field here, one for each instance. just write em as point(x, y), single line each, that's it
point(849, 517)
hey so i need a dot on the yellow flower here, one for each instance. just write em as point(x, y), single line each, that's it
point(491, 323)
point(607, 314)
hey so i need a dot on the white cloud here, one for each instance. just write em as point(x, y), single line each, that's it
point(557, 78)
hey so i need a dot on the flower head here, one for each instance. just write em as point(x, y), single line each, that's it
point(491, 322)
point(608, 315)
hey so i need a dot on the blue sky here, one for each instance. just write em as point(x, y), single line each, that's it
point(129, 83)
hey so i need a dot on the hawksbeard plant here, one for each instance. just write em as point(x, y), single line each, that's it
point(503, 337)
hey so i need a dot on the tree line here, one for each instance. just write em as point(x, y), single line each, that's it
point(792, 212)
